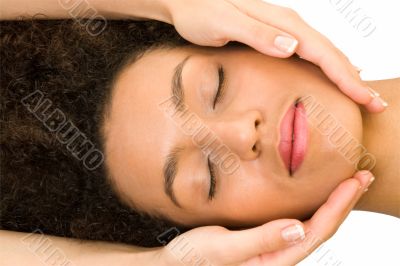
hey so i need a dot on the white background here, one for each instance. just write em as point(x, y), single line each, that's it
point(365, 238)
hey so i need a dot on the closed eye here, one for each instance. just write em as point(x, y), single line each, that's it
point(221, 87)
point(211, 193)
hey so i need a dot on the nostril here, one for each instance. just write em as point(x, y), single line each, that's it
point(254, 148)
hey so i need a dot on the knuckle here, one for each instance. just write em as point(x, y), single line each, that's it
point(333, 49)
point(290, 12)
point(219, 252)
point(255, 30)
point(219, 39)
point(265, 242)
point(329, 234)
point(342, 55)
point(262, 34)
point(313, 241)
point(322, 59)
point(341, 81)
point(221, 42)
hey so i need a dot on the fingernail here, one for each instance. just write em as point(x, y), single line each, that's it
point(384, 103)
point(369, 183)
point(293, 233)
point(285, 44)
point(357, 68)
point(373, 93)
point(371, 180)
point(367, 179)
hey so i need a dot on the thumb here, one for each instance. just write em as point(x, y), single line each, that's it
point(245, 244)
point(262, 37)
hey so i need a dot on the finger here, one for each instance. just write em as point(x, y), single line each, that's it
point(260, 36)
point(244, 244)
point(377, 105)
point(312, 46)
point(357, 69)
point(339, 204)
point(326, 220)
point(339, 69)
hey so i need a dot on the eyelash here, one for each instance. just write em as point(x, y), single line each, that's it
point(218, 97)
point(221, 87)
point(211, 192)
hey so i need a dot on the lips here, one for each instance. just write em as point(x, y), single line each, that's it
point(293, 137)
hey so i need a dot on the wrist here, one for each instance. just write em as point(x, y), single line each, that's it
point(145, 256)
point(136, 10)
point(154, 9)
point(162, 257)
point(158, 10)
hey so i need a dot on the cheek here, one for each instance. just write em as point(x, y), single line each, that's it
point(258, 199)
point(335, 126)
point(337, 130)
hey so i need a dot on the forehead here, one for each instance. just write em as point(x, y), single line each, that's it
point(138, 133)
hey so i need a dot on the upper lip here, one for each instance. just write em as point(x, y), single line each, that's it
point(285, 147)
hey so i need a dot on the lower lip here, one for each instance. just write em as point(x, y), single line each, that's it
point(293, 151)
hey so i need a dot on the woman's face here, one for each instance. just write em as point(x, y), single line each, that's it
point(160, 157)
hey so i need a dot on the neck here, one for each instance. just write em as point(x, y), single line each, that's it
point(381, 139)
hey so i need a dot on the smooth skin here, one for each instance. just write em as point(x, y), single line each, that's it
point(256, 24)
point(262, 245)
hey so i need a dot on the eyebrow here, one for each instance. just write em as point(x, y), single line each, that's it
point(176, 86)
point(171, 163)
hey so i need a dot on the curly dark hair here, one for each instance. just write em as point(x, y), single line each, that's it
point(47, 184)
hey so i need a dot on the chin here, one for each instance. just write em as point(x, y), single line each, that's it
point(333, 152)
point(335, 129)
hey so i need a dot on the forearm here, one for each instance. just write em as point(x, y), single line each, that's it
point(36, 249)
point(66, 9)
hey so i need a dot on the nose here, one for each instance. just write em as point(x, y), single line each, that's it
point(240, 133)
